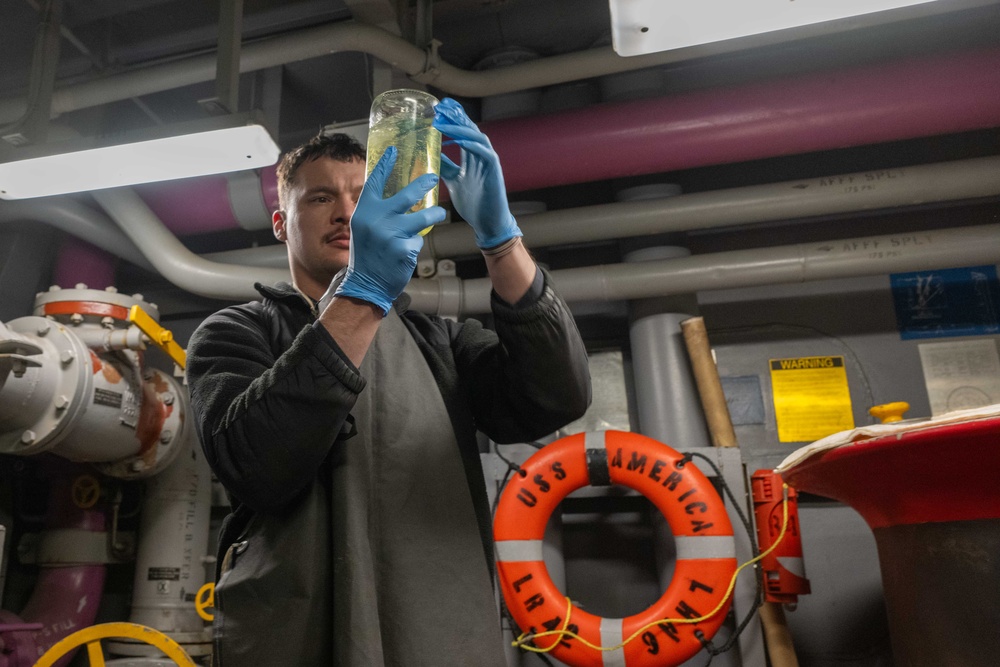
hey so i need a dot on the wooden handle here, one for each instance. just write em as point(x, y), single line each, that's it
point(778, 639)
point(706, 377)
point(780, 649)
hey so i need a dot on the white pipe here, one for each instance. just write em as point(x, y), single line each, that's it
point(76, 219)
point(804, 262)
point(173, 260)
point(826, 195)
point(173, 543)
point(270, 256)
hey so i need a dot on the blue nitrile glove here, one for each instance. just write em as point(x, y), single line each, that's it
point(476, 187)
point(385, 238)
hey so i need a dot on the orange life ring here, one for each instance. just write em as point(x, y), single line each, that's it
point(703, 535)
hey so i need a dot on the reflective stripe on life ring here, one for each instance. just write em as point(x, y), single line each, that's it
point(703, 535)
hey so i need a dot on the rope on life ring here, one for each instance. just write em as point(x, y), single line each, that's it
point(703, 536)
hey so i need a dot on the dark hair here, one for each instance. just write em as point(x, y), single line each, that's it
point(338, 146)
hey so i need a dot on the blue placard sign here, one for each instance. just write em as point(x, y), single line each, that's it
point(947, 302)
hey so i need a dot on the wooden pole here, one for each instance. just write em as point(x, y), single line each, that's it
point(780, 649)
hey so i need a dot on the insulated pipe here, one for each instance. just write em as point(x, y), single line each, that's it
point(173, 544)
point(74, 218)
point(79, 262)
point(844, 193)
point(821, 111)
point(916, 97)
point(421, 65)
point(666, 400)
point(173, 260)
point(828, 195)
point(65, 598)
point(821, 260)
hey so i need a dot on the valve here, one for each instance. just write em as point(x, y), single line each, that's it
point(888, 413)
point(162, 338)
point(205, 599)
point(93, 635)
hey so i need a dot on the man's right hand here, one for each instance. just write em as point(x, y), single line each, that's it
point(385, 239)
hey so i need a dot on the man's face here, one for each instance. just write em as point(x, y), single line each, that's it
point(315, 223)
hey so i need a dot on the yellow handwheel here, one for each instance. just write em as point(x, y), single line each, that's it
point(93, 635)
point(205, 599)
point(86, 491)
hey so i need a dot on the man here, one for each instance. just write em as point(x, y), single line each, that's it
point(342, 425)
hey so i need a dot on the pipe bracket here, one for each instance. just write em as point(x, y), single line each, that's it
point(432, 64)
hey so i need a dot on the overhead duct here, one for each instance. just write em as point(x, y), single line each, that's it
point(822, 111)
point(804, 262)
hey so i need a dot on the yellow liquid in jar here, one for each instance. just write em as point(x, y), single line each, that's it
point(418, 147)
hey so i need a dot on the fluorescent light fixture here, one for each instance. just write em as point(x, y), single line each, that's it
point(210, 146)
point(648, 26)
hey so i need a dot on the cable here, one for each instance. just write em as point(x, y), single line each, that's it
point(709, 646)
point(511, 467)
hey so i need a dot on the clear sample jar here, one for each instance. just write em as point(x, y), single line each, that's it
point(403, 118)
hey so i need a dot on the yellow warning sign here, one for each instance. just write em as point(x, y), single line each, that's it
point(811, 398)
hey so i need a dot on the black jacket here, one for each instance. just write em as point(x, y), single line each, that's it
point(266, 372)
point(273, 393)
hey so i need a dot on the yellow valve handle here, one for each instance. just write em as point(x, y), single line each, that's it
point(204, 600)
point(888, 413)
point(86, 491)
point(93, 635)
point(161, 337)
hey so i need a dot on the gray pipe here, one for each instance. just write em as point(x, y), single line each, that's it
point(174, 261)
point(804, 262)
point(845, 193)
point(351, 36)
point(74, 218)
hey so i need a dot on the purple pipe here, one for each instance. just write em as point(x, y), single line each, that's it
point(192, 205)
point(65, 598)
point(912, 98)
point(269, 184)
point(80, 262)
point(18, 641)
point(820, 111)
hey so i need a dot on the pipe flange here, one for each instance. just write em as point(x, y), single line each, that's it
point(39, 407)
point(91, 304)
point(160, 441)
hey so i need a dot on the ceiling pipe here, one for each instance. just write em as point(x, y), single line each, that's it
point(78, 262)
point(72, 217)
point(804, 262)
point(173, 260)
point(916, 97)
point(422, 65)
point(826, 195)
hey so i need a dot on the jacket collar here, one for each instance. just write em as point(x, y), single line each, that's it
point(286, 293)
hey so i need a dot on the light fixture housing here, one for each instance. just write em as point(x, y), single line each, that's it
point(206, 146)
point(648, 26)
